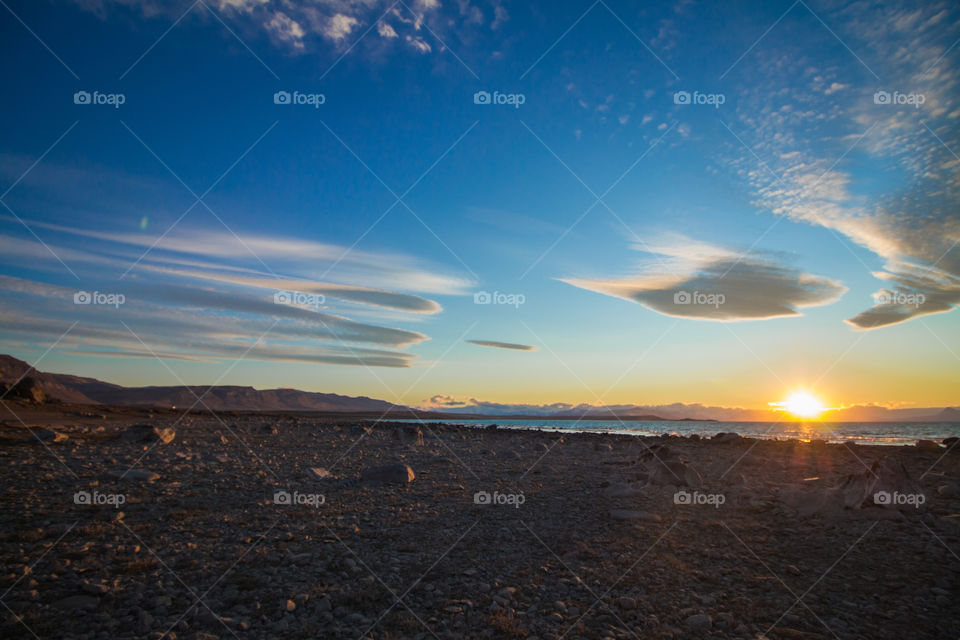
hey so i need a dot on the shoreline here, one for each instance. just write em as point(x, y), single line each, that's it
point(941, 431)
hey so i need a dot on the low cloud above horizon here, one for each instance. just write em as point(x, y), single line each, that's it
point(707, 282)
point(502, 345)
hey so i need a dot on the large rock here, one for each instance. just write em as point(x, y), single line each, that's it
point(410, 434)
point(879, 485)
point(726, 436)
point(928, 445)
point(28, 389)
point(673, 471)
point(389, 474)
point(149, 433)
point(48, 435)
point(885, 484)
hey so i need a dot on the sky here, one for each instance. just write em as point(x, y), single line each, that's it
point(460, 203)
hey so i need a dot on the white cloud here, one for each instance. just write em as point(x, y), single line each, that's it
point(418, 44)
point(283, 28)
point(823, 138)
point(385, 30)
point(339, 26)
point(707, 282)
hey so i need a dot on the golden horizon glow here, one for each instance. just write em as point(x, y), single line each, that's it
point(801, 404)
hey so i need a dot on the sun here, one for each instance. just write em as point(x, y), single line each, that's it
point(802, 404)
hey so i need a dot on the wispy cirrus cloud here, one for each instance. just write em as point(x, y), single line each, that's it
point(203, 294)
point(707, 282)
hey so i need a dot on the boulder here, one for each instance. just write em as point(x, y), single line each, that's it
point(879, 485)
point(673, 471)
point(149, 433)
point(410, 434)
point(48, 435)
point(949, 442)
point(726, 436)
point(389, 474)
point(928, 445)
point(28, 389)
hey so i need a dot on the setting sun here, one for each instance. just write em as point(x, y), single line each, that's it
point(802, 404)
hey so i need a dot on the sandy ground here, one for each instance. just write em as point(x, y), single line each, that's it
point(501, 534)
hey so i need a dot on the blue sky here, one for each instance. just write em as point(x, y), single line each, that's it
point(812, 221)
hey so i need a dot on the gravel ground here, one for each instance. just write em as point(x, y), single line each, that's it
point(228, 532)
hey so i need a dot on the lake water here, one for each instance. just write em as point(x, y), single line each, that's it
point(885, 433)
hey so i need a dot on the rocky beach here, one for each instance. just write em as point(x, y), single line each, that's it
point(140, 524)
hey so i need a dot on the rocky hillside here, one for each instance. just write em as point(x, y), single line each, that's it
point(78, 390)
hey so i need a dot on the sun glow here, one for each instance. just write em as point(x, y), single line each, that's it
point(802, 404)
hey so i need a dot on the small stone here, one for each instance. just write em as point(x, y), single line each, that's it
point(137, 475)
point(291, 605)
point(77, 602)
point(389, 474)
point(627, 603)
point(629, 514)
point(698, 621)
point(94, 588)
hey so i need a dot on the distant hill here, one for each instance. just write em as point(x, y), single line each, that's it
point(77, 390)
